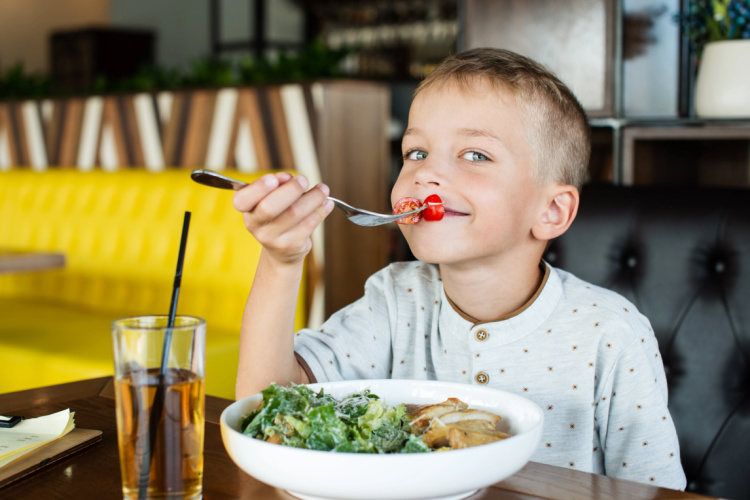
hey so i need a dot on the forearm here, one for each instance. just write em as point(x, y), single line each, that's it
point(281, 214)
point(267, 331)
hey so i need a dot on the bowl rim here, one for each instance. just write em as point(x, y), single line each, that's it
point(535, 408)
point(508, 456)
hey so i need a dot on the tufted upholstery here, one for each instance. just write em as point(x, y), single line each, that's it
point(682, 256)
point(120, 232)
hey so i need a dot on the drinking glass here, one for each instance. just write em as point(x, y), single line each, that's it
point(160, 407)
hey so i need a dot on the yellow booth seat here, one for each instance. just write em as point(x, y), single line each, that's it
point(120, 233)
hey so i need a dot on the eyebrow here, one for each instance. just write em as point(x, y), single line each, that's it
point(483, 134)
point(470, 132)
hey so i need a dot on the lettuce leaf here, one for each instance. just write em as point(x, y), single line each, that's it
point(358, 423)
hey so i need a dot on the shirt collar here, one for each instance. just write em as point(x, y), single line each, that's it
point(476, 322)
point(518, 324)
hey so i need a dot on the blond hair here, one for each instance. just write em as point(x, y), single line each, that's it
point(556, 125)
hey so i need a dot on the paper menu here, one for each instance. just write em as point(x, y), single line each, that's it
point(29, 434)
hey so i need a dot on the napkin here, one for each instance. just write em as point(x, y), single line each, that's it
point(29, 434)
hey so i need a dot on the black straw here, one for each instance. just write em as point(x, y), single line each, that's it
point(158, 405)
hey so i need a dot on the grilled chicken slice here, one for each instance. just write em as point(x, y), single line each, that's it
point(452, 424)
point(469, 414)
point(423, 415)
point(461, 434)
point(437, 436)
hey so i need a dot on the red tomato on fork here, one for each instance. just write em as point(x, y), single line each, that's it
point(435, 209)
point(407, 205)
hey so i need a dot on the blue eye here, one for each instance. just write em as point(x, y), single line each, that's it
point(416, 155)
point(474, 156)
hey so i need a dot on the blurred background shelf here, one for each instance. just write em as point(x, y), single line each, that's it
point(695, 152)
point(679, 151)
point(79, 56)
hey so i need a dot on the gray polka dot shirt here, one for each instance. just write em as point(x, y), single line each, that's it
point(584, 354)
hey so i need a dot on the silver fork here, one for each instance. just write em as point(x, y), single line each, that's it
point(356, 215)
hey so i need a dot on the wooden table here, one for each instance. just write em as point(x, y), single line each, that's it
point(94, 472)
point(16, 262)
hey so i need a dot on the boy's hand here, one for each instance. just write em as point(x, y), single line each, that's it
point(281, 214)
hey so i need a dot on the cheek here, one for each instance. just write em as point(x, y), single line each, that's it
point(399, 189)
point(497, 212)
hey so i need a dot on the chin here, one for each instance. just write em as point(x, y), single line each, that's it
point(430, 255)
point(433, 245)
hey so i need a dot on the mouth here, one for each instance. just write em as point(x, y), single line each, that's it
point(449, 212)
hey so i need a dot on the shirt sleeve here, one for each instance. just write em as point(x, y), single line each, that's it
point(355, 342)
point(635, 427)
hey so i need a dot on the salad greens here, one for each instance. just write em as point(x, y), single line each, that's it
point(359, 423)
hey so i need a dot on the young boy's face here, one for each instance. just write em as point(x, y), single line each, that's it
point(468, 145)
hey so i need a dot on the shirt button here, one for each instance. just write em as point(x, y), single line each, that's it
point(481, 335)
point(481, 378)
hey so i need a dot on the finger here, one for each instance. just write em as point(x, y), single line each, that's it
point(284, 177)
point(299, 234)
point(294, 214)
point(248, 197)
point(285, 197)
point(308, 203)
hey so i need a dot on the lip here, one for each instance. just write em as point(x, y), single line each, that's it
point(449, 212)
point(454, 214)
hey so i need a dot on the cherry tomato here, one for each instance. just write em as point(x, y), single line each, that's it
point(434, 210)
point(407, 205)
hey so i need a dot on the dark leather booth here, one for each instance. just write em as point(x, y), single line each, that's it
point(682, 256)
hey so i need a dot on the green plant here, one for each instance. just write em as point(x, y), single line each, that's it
point(715, 20)
point(312, 61)
point(16, 83)
point(148, 78)
point(210, 72)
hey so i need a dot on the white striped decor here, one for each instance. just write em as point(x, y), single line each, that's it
point(221, 131)
point(108, 149)
point(244, 149)
point(164, 105)
point(247, 128)
point(148, 131)
point(4, 151)
point(92, 118)
point(300, 133)
point(34, 135)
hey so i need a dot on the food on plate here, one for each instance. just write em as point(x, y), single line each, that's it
point(359, 423)
point(407, 205)
point(452, 424)
point(434, 210)
point(362, 423)
point(421, 416)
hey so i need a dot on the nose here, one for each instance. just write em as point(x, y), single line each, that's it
point(428, 174)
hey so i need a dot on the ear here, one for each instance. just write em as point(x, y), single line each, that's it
point(561, 207)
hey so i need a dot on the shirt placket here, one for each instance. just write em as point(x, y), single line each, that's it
point(479, 339)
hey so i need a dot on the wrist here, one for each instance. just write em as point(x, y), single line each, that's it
point(281, 265)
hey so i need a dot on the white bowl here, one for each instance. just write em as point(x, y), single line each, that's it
point(450, 474)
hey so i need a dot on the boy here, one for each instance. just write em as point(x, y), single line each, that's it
point(505, 145)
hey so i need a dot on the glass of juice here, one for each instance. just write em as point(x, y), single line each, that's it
point(160, 407)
